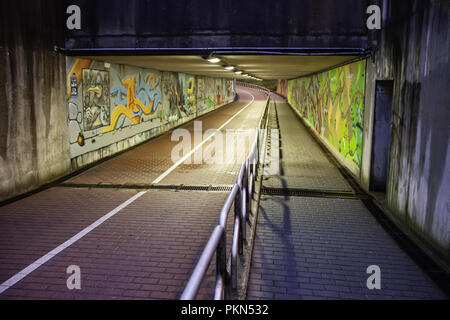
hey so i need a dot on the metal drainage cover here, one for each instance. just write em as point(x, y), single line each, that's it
point(223, 188)
point(310, 193)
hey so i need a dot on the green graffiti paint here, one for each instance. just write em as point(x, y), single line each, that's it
point(333, 102)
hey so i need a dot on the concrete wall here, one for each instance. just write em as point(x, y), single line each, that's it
point(33, 125)
point(42, 115)
point(414, 51)
point(112, 107)
point(311, 24)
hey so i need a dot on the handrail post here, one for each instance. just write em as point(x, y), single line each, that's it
point(238, 213)
point(258, 147)
point(251, 190)
point(221, 269)
point(241, 195)
point(243, 219)
point(200, 269)
point(247, 179)
point(235, 250)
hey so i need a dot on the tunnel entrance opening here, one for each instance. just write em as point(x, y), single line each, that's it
point(381, 135)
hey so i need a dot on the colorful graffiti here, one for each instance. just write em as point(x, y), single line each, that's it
point(229, 92)
point(333, 102)
point(213, 91)
point(104, 97)
point(188, 92)
point(173, 108)
point(133, 97)
point(96, 109)
point(76, 71)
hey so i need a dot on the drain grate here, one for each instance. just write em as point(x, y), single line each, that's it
point(179, 187)
point(294, 192)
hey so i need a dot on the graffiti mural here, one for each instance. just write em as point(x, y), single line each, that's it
point(188, 92)
point(333, 102)
point(213, 91)
point(133, 97)
point(173, 109)
point(109, 102)
point(76, 71)
point(96, 109)
point(229, 90)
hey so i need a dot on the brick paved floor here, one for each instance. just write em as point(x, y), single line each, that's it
point(320, 248)
point(33, 226)
point(302, 162)
point(148, 161)
point(147, 250)
point(316, 248)
point(222, 173)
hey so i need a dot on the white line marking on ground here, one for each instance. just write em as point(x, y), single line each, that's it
point(36, 264)
point(176, 164)
point(26, 271)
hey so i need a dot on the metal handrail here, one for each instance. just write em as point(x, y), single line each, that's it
point(253, 86)
point(241, 195)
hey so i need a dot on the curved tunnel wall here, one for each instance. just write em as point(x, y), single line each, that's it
point(332, 102)
point(112, 107)
point(37, 124)
point(414, 53)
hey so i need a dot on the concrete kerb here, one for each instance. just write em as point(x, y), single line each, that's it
point(245, 261)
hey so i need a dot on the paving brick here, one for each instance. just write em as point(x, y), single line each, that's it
point(35, 225)
point(146, 251)
point(326, 293)
point(324, 245)
point(300, 291)
point(119, 271)
point(274, 289)
point(256, 295)
point(281, 296)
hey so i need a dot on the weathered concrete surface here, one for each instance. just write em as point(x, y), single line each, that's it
point(220, 24)
point(36, 116)
point(319, 248)
point(33, 122)
point(415, 52)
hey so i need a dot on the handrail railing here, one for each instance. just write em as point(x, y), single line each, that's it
point(241, 195)
point(252, 86)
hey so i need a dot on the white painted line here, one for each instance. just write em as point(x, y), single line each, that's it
point(39, 262)
point(36, 264)
point(176, 164)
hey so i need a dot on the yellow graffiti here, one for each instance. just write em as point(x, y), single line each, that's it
point(133, 105)
point(190, 89)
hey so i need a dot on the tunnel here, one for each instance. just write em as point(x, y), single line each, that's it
point(224, 150)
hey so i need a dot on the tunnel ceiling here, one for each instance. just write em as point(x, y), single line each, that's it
point(267, 67)
point(173, 24)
